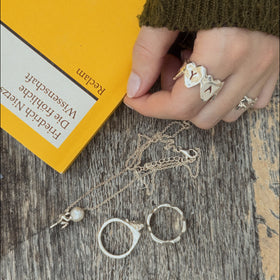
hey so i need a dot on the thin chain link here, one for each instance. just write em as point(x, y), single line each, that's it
point(94, 188)
point(152, 170)
point(133, 162)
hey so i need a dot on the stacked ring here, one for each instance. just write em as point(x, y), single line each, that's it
point(194, 75)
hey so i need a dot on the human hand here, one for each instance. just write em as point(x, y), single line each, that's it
point(246, 61)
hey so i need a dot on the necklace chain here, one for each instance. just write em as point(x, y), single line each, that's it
point(133, 163)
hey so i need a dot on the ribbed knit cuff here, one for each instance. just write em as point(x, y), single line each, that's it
point(194, 15)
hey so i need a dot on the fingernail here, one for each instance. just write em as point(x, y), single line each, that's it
point(133, 85)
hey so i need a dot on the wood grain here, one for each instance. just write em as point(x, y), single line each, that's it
point(231, 208)
point(266, 188)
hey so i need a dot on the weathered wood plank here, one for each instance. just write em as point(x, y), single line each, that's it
point(265, 161)
point(231, 232)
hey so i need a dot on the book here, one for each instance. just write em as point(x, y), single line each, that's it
point(64, 69)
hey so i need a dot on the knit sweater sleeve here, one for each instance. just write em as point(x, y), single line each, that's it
point(194, 15)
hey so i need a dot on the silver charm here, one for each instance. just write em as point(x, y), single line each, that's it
point(183, 229)
point(76, 215)
point(134, 228)
point(245, 103)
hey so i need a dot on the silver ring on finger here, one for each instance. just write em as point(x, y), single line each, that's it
point(246, 102)
point(194, 75)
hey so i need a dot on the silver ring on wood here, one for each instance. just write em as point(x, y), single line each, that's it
point(135, 230)
point(194, 75)
point(183, 229)
point(246, 102)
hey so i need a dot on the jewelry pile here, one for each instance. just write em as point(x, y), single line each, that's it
point(141, 170)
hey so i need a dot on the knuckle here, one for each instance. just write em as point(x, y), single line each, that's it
point(203, 124)
point(238, 50)
point(230, 118)
point(205, 121)
point(144, 111)
point(266, 60)
point(140, 48)
point(145, 49)
point(186, 112)
point(261, 104)
point(182, 109)
point(184, 115)
point(230, 46)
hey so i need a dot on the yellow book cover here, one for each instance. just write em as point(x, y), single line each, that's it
point(64, 68)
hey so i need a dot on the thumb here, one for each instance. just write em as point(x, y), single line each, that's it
point(149, 51)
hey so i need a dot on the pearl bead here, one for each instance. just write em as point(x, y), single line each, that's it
point(77, 214)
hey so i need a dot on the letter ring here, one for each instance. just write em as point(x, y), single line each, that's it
point(134, 228)
point(194, 75)
point(155, 238)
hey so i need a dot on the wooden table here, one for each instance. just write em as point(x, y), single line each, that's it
point(232, 207)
